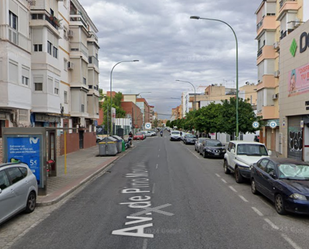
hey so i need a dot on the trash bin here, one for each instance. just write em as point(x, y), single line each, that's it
point(119, 143)
point(108, 146)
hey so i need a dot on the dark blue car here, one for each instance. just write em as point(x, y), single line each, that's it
point(284, 181)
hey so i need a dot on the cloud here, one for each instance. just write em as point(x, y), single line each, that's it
point(172, 46)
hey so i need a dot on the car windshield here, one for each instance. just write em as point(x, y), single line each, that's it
point(294, 171)
point(214, 143)
point(252, 150)
point(175, 132)
point(139, 133)
point(190, 136)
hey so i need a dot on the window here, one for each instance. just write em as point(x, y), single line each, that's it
point(65, 97)
point(37, 47)
point(37, 16)
point(56, 88)
point(13, 23)
point(262, 164)
point(13, 20)
point(65, 64)
point(15, 174)
point(25, 80)
point(55, 52)
point(4, 180)
point(49, 47)
point(270, 167)
point(84, 81)
point(38, 86)
point(82, 107)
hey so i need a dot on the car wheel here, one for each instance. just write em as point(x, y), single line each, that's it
point(238, 176)
point(279, 204)
point(204, 154)
point(31, 202)
point(226, 168)
point(253, 187)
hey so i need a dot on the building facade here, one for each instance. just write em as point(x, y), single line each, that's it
point(49, 67)
point(276, 20)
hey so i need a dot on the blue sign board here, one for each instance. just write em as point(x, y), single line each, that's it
point(25, 150)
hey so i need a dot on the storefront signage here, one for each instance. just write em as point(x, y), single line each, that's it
point(303, 42)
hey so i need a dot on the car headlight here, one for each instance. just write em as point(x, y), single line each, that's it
point(297, 196)
point(208, 150)
point(223, 151)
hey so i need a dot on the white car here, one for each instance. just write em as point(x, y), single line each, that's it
point(240, 155)
point(175, 135)
point(18, 190)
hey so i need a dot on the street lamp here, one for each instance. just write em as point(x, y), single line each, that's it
point(218, 20)
point(111, 77)
point(194, 91)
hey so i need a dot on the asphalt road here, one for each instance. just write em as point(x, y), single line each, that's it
point(164, 195)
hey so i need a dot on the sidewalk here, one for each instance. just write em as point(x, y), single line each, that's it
point(82, 166)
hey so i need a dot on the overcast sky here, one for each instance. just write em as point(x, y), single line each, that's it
point(170, 46)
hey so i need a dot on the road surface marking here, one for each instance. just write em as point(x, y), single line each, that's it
point(145, 242)
point(157, 166)
point(223, 180)
point(153, 188)
point(243, 198)
point(291, 242)
point(218, 175)
point(155, 209)
point(257, 211)
point(271, 224)
point(233, 189)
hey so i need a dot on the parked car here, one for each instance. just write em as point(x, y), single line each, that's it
point(284, 181)
point(189, 139)
point(198, 144)
point(212, 148)
point(240, 155)
point(18, 190)
point(175, 136)
point(139, 136)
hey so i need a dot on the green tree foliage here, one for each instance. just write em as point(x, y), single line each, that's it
point(220, 118)
point(106, 106)
point(209, 118)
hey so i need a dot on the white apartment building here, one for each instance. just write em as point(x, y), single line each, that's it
point(49, 68)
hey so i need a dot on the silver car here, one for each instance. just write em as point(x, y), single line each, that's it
point(18, 190)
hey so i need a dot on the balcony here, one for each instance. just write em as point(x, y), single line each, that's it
point(286, 6)
point(78, 20)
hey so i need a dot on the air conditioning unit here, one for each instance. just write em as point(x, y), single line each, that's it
point(276, 74)
point(70, 65)
point(296, 22)
point(70, 33)
point(276, 45)
point(275, 96)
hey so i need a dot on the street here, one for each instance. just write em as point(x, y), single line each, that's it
point(163, 194)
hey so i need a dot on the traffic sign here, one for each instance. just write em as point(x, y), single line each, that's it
point(273, 124)
point(148, 126)
point(255, 124)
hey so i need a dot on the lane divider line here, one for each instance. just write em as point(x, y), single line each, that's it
point(218, 175)
point(257, 211)
point(291, 242)
point(233, 189)
point(243, 198)
point(223, 180)
point(157, 166)
point(271, 224)
point(153, 188)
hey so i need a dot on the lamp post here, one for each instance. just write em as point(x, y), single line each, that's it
point(111, 78)
point(194, 103)
point(218, 20)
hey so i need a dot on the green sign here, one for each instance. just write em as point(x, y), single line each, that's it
point(293, 48)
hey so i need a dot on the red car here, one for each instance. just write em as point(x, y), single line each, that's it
point(139, 136)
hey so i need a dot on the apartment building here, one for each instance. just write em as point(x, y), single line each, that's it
point(49, 72)
point(279, 21)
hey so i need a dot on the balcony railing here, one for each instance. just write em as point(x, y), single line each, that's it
point(283, 34)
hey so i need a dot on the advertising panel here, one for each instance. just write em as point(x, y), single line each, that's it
point(298, 82)
point(25, 150)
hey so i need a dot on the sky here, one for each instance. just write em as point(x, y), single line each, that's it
point(170, 46)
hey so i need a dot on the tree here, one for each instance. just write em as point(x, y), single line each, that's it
point(209, 118)
point(106, 106)
point(246, 116)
